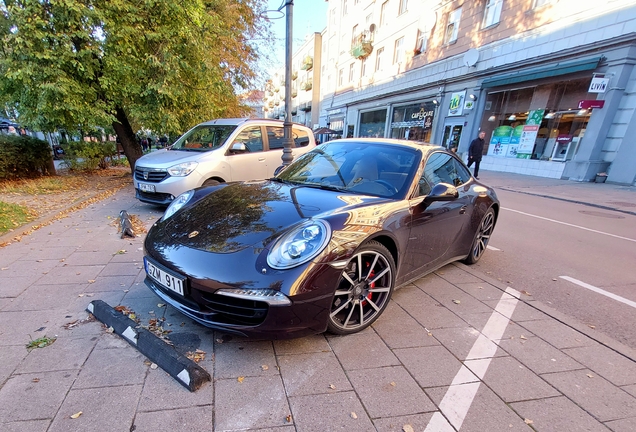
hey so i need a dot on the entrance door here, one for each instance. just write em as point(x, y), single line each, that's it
point(452, 134)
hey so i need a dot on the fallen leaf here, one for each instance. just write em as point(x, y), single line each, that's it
point(154, 366)
point(526, 293)
point(522, 337)
point(407, 428)
point(288, 419)
point(591, 326)
point(76, 415)
point(81, 295)
point(264, 367)
point(456, 301)
point(91, 281)
point(240, 379)
point(528, 421)
point(590, 375)
point(393, 384)
point(354, 415)
point(332, 387)
point(35, 380)
point(554, 279)
point(161, 304)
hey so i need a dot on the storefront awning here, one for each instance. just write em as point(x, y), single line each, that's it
point(543, 72)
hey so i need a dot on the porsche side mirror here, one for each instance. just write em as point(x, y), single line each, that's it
point(442, 192)
point(279, 170)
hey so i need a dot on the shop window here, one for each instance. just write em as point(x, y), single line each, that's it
point(372, 124)
point(492, 12)
point(452, 28)
point(413, 122)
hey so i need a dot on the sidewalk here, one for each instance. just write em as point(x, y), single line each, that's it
point(455, 350)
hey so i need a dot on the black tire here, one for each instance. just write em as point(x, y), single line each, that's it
point(363, 291)
point(482, 237)
point(211, 182)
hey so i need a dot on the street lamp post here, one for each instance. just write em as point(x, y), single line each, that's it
point(288, 142)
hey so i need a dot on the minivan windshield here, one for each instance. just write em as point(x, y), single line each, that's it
point(204, 138)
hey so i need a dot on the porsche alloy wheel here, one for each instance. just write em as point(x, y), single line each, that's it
point(482, 237)
point(363, 291)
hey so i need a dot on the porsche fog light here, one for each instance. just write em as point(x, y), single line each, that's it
point(299, 245)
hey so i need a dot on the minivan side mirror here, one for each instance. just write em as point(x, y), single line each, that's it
point(238, 147)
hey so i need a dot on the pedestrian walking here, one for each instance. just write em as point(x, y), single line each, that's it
point(475, 152)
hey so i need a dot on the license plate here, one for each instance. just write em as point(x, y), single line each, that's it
point(145, 187)
point(169, 280)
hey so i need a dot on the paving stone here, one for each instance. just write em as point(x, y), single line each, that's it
point(610, 365)
point(82, 257)
point(244, 359)
point(124, 268)
point(427, 311)
point(312, 373)
point(70, 275)
point(389, 392)
point(308, 344)
point(538, 355)
point(112, 367)
point(45, 297)
point(399, 330)
point(631, 389)
point(398, 424)
point(456, 275)
point(481, 290)
point(196, 418)
point(14, 286)
point(20, 327)
point(557, 334)
point(112, 408)
point(623, 425)
point(256, 402)
point(362, 350)
point(557, 414)
point(10, 358)
point(523, 311)
point(459, 302)
point(594, 394)
point(505, 371)
point(109, 283)
point(460, 340)
point(29, 267)
point(430, 366)
point(162, 392)
point(341, 411)
point(26, 426)
point(34, 396)
point(63, 354)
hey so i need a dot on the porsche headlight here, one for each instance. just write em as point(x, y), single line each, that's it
point(177, 203)
point(299, 245)
point(182, 169)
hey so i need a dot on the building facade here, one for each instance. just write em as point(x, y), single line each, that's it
point(551, 82)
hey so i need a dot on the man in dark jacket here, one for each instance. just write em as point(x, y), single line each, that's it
point(475, 152)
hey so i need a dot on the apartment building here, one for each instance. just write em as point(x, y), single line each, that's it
point(551, 82)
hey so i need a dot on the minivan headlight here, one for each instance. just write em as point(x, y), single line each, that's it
point(177, 203)
point(182, 169)
point(299, 245)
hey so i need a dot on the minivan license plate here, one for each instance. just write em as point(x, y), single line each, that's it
point(145, 187)
point(169, 280)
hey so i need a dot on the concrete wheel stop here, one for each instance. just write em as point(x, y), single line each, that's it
point(184, 370)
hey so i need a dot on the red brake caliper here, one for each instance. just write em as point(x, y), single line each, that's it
point(371, 285)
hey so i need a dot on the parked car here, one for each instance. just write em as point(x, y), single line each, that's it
point(214, 152)
point(322, 245)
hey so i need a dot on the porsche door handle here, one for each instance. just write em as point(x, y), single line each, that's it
point(462, 210)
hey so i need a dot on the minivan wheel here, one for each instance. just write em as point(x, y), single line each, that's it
point(211, 182)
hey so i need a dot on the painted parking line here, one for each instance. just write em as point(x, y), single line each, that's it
point(459, 396)
point(600, 291)
point(570, 225)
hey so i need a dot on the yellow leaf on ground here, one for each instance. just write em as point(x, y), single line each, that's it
point(240, 379)
point(76, 415)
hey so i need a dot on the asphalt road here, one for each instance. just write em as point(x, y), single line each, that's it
point(559, 252)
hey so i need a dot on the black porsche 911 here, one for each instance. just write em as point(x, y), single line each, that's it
point(322, 245)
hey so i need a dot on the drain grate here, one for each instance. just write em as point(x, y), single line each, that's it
point(622, 203)
point(601, 214)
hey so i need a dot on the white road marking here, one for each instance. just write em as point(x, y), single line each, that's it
point(492, 248)
point(600, 291)
point(571, 225)
point(459, 396)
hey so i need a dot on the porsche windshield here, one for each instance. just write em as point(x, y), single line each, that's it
point(204, 138)
point(374, 169)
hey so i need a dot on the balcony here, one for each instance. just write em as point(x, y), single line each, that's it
point(308, 63)
point(361, 47)
point(306, 86)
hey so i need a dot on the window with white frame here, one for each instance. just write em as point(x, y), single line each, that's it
point(421, 42)
point(378, 59)
point(492, 12)
point(332, 15)
point(344, 7)
point(351, 71)
point(354, 34)
point(383, 14)
point(452, 28)
point(398, 52)
point(363, 67)
point(341, 77)
point(540, 3)
point(403, 6)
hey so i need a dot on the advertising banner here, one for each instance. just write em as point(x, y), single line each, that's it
point(456, 106)
point(499, 141)
point(529, 134)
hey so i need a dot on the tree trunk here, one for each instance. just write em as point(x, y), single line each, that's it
point(50, 166)
point(132, 149)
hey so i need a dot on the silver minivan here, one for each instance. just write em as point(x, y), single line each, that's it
point(215, 152)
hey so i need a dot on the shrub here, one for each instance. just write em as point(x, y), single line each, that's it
point(23, 157)
point(88, 156)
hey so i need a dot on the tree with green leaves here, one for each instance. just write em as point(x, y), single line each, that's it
point(163, 65)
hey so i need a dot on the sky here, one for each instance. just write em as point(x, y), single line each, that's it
point(309, 16)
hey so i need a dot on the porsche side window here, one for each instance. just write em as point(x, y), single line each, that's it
point(442, 168)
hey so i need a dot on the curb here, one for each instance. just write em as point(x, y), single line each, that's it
point(178, 366)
